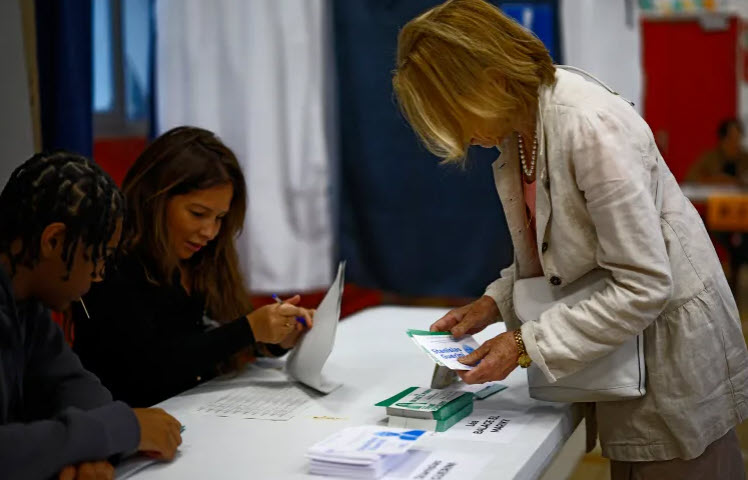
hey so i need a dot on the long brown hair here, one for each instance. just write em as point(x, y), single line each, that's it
point(461, 59)
point(180, 161)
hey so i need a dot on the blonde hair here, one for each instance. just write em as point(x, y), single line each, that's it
point(465, 59)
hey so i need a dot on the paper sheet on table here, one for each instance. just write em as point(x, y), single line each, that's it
point(489, 426)
point(480, 390)
point(271, 401)
point(306, 360)
point(366, 442)
point(132, 465)
point(261, 371)
point(439, 465)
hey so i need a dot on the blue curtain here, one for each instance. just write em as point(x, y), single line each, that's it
point(64, 50)
point(407, 225)
point(540, 16)
point(152, 79)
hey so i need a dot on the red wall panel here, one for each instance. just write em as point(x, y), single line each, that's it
point(690, 85)
point(116, 155)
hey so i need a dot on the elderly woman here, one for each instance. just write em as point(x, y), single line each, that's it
point(577, 178)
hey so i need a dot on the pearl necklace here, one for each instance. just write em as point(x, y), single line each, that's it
point(533, 158)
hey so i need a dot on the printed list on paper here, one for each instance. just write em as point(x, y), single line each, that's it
point(258, 402)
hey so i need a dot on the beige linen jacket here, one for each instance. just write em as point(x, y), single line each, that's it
point(597, 177)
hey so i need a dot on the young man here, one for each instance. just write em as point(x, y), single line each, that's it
point(60, 220)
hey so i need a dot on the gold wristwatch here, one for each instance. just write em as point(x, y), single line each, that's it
point(524, 359)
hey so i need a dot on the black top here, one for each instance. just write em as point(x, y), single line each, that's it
point(53, 413)
point(148, 342)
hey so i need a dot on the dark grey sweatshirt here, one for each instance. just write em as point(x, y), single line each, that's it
point(53, 412)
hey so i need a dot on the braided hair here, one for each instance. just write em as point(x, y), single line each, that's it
point(60, 187)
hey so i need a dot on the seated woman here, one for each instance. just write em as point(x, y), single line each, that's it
point(175, 308)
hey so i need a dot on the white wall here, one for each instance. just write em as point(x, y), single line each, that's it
point(595, 37)
point(16, 131)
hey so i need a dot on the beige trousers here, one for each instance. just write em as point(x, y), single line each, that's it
point(721, 460)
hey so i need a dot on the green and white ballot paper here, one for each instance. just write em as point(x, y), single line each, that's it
point(443, 348)
point(419, 402)
point(427, 408)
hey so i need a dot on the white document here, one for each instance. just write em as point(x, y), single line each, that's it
point(306, 360)
point(132, 465)
point(365, 442)
point(270, 402)
point(421, 400)
point(365, 452)
point(370, 471)
point(489, 426)
point(439, 465)
point(443, 348)
point(479, 390)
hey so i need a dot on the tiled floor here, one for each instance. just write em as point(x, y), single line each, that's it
point(595, 467)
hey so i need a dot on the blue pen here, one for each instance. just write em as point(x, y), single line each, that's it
point(301, 320)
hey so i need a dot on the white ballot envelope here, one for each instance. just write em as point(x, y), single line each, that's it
point(306, 360)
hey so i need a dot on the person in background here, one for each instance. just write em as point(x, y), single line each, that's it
point(175, 309)
point(578, 176)
point(60, 220)
point(726, 164)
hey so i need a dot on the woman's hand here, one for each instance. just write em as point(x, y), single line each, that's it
point(469, 319)
point(292, 339)
point(276, 323)
point(159, 433)
point(101, 470)
point(498, 357)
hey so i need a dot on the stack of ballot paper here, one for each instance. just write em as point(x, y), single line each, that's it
point(365, 452)
point(443, 348)
point(427, 408)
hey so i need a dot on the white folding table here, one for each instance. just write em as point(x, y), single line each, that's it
point(374, 359)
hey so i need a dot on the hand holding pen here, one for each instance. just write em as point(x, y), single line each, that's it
point(302, 324)
point(280, 322)
point(300, 320)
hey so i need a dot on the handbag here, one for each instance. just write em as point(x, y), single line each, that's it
point(619, 375)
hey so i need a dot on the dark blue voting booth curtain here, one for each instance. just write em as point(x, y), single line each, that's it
point(540, 16)
point(64, 51)
point(407, 224)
